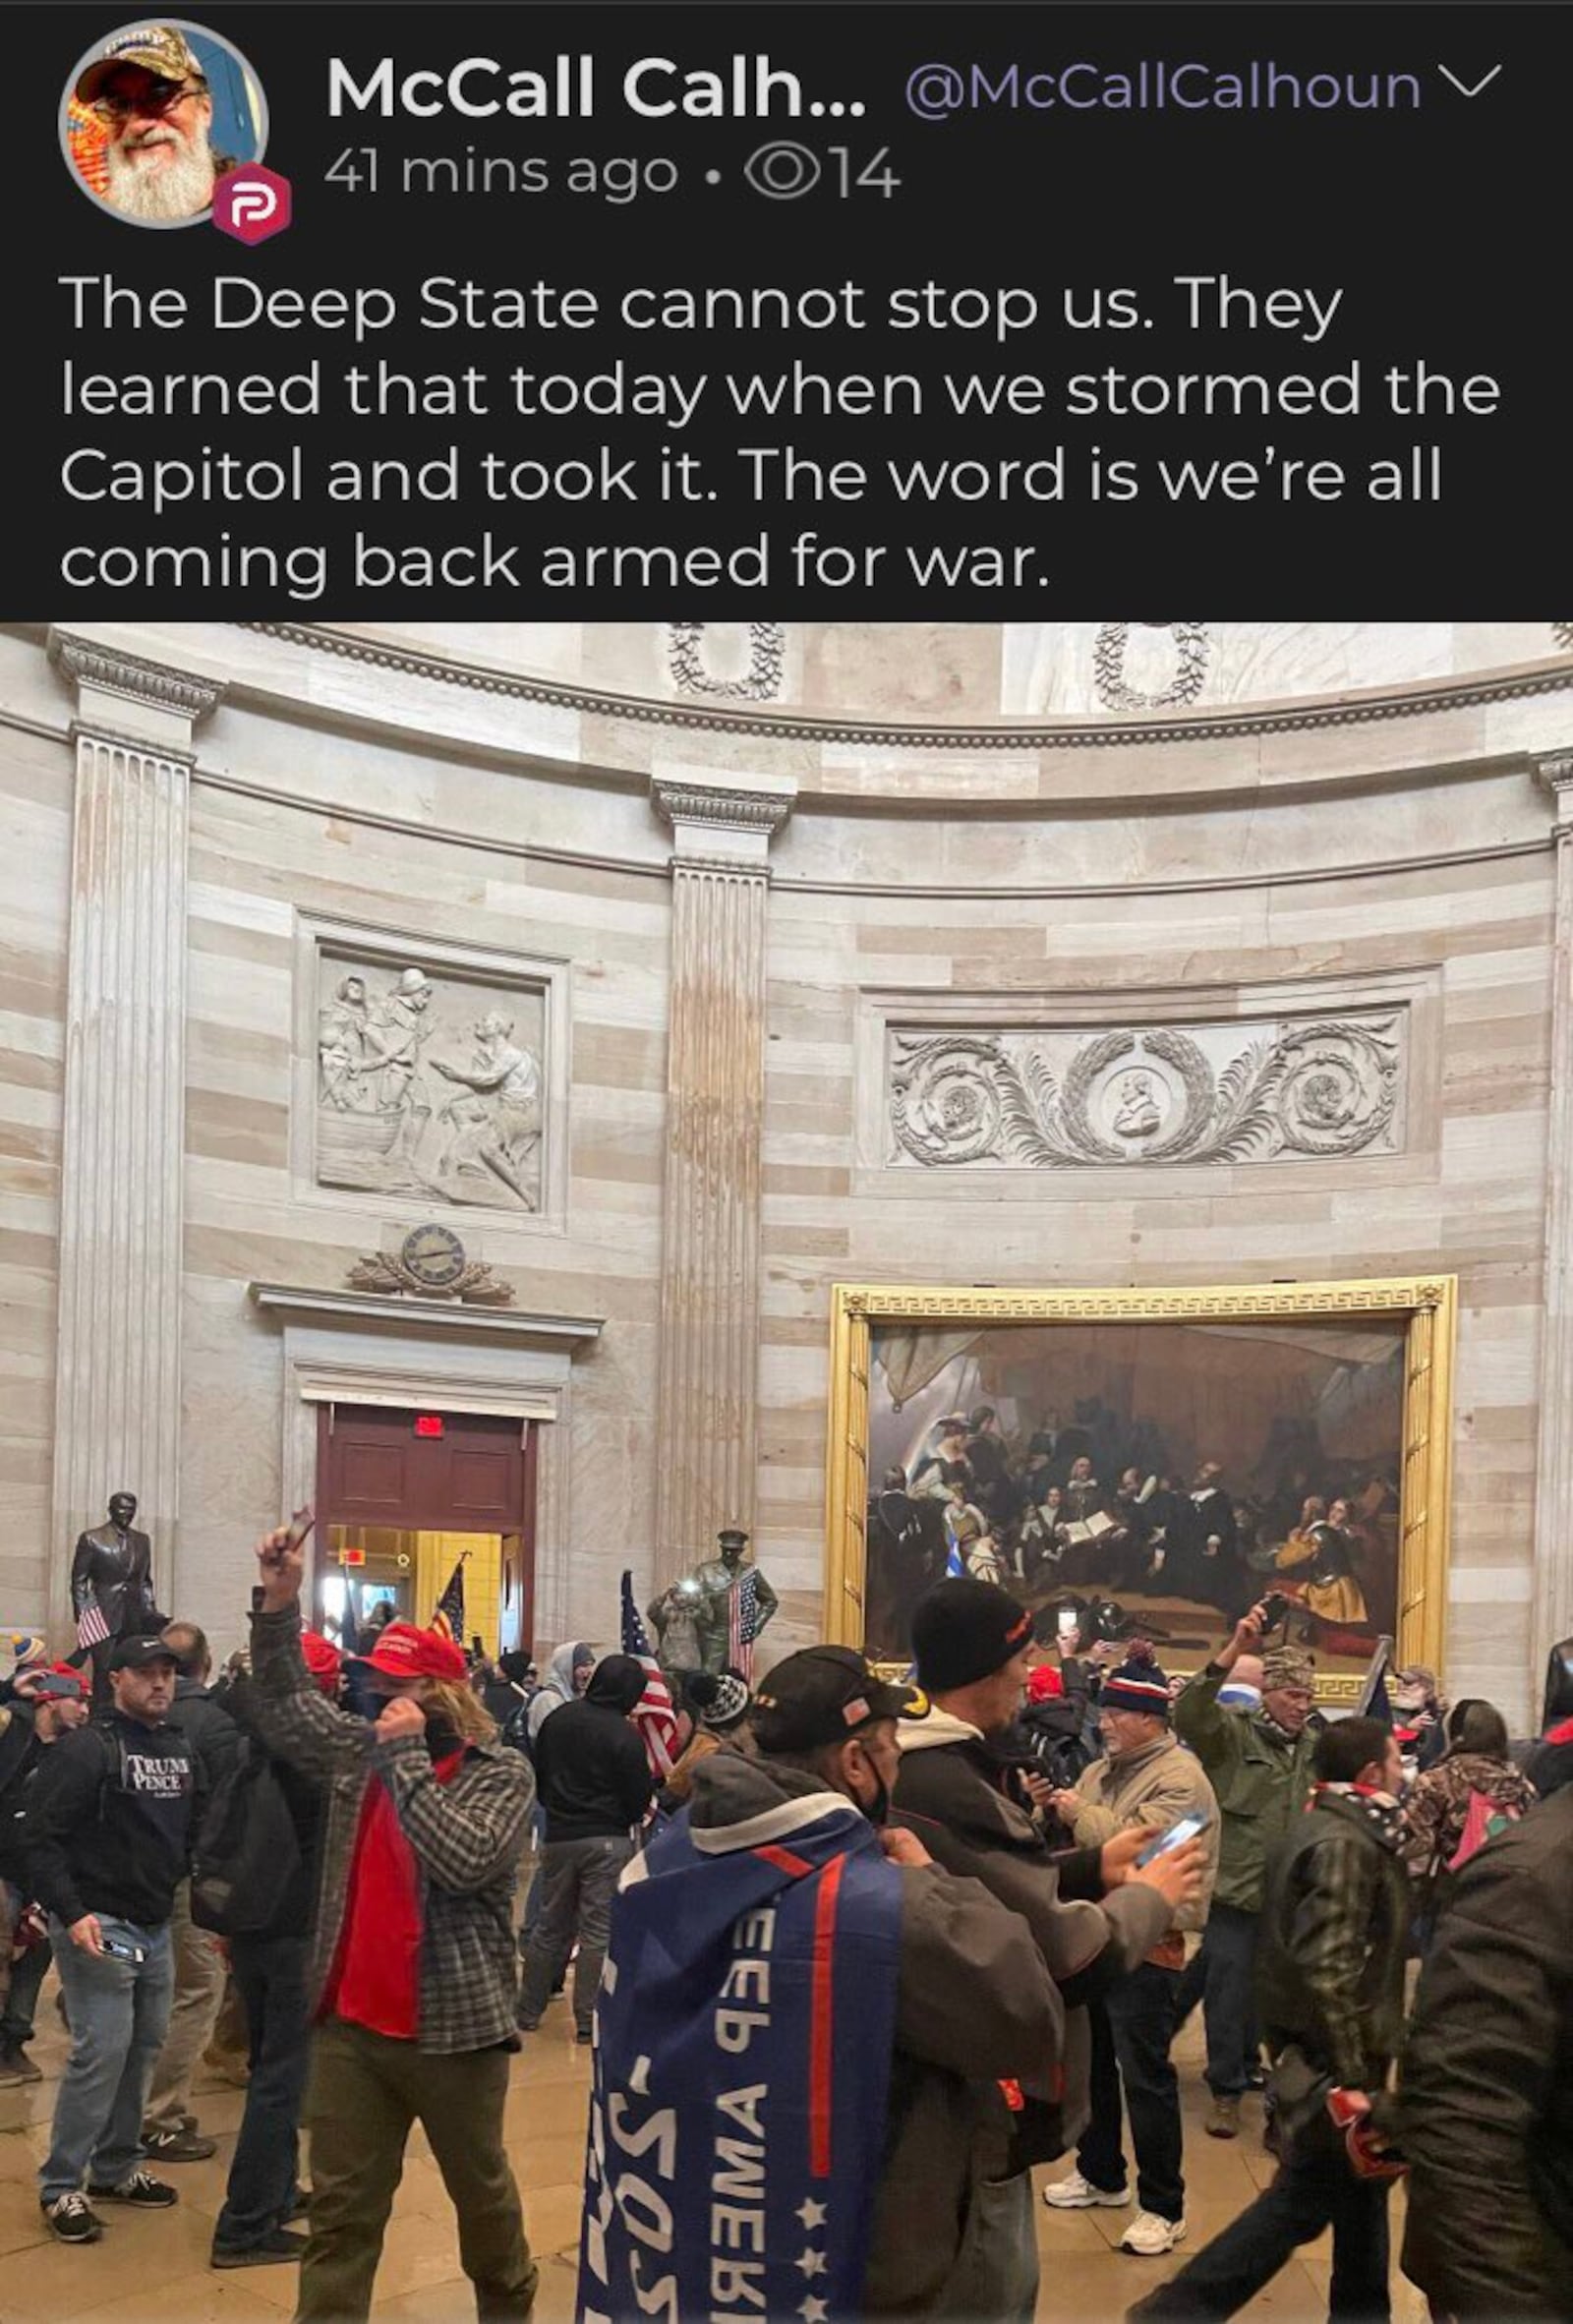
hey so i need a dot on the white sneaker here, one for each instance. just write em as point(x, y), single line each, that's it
point(1150, 2237)
point(1077, 2193)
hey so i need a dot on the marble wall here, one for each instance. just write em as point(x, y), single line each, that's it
point(1225, 875)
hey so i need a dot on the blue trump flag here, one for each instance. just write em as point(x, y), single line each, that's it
point(744, 2042)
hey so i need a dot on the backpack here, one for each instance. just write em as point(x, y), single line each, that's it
point(515, 1729)
point(1484, 1820)
point(247, 1854)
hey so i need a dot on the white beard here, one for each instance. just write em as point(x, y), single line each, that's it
point(181, 188)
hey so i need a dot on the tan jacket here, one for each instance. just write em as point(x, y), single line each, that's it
point(1154, 1788)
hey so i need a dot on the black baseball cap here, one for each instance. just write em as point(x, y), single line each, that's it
point(136, 1653)
point(825, 1695)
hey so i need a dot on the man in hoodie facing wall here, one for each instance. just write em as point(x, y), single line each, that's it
point(596, 1786)
point(1094, 1917)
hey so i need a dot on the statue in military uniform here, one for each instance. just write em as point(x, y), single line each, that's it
point(674, 1616)
point(112, 1586)
point(727, 1586)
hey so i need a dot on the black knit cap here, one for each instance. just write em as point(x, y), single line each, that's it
point(966, 1630)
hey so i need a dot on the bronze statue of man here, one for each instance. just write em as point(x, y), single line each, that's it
point(112, 1586)
point(674, 1616)
point(717, 1581)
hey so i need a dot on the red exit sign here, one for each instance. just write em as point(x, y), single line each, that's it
point(428, 1424)
point(352, 1557)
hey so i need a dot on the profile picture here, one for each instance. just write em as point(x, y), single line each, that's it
point(154, 115)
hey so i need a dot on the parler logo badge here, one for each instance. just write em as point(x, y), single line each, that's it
point(252, 203)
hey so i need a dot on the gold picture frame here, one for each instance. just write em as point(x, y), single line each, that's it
point(1425, 1307)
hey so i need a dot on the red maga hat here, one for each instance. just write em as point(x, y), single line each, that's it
point(405, 1651)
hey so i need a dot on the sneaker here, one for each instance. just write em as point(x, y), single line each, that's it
point(1149, 2237)
point(277, 2246)
point(17, 2066)
point(177, 2146)
point(140, 2188)
point(1223, 2118)
point(1077, 2193)
point(71, 2219)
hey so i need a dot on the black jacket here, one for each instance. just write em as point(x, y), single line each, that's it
point(1333, 1939)
point(18, 1755)
point(590, 1764)
point(108, 1822)
point(1487, 2089)
point(952, 1792)
point(215, 1736)
point(304, 1799)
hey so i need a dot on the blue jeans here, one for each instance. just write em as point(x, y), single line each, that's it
point(119, 2014)
point(1222, 1977)
point(1315, 2189)
point(1133, 2027)
point(270, 1972)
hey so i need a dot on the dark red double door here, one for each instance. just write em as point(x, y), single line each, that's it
point(379, 1467)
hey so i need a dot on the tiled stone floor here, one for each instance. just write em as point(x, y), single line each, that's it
point(152, 2269)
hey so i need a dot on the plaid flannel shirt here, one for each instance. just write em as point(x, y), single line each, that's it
point(466, 1837)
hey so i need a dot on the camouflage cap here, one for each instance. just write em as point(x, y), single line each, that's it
point(1287, 1666)
point(162, 49)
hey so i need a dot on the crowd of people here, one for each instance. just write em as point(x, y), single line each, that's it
point(851, 1958)
point(1099, 1504)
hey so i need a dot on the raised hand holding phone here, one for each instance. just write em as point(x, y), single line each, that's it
point(281, 1564)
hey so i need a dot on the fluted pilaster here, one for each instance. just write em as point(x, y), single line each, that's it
point(1554, 1484)
point(117, 1410)
point(706, 1437)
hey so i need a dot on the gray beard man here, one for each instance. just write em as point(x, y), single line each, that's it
point(160, 169)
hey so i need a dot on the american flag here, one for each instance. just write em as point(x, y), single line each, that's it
point(741, 1606)
point(654, 1714)
point(92, 1628)
point(449, 1616)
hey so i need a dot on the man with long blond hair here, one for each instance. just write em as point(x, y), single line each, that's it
point(412, 1970)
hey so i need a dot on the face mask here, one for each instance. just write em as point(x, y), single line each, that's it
point(441, 1740)
point(878, 1809)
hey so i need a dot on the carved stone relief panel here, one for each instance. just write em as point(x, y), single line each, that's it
point(435, 1073)
point(1068, 1097)
point(695, 668)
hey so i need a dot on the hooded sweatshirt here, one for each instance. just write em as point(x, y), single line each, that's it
point(555, 1689)
point(590, 1764)
point(953, 1792)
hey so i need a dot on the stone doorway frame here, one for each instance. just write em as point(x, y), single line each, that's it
point(424, 1355)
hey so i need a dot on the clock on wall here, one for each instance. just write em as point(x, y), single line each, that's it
point(433, 1257)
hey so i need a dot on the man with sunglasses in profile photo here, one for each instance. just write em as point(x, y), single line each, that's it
point(148, 88)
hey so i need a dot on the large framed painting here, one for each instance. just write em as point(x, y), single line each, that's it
point(1148, 1463)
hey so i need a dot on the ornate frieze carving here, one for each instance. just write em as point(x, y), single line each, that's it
point(428, 1083)
point(136, 680)
point(1290, 1089)
point(759, 683)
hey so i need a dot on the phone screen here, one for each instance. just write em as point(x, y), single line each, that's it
point(1175, 1837)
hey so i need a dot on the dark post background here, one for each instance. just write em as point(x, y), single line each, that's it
point(1447, 229)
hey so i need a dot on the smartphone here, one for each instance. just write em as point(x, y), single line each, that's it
point(64, 1690)
point(1175, 1837)
point(119, 1951)
point(300, 1524)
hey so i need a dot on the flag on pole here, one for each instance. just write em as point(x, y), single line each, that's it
point(92, 1628)
point(654, 1713)
point(742, 1623)
point(449, 1616)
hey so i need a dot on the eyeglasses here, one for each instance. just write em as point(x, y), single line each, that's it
point(161, 96)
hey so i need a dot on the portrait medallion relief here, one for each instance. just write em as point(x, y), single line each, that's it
point(1063, 1099)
